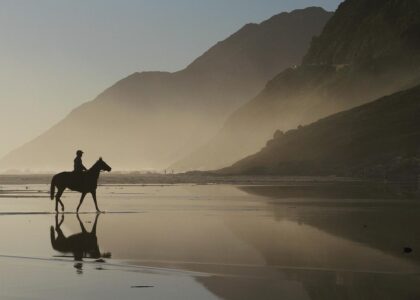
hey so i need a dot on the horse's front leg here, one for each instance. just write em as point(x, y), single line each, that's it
point(94, 200)
point(81, 201)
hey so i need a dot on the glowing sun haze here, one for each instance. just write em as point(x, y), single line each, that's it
point(56, 55)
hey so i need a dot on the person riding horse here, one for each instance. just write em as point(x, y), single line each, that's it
point(78, 164)
point(83, 182)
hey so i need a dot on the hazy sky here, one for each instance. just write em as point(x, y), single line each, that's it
point(57, 54)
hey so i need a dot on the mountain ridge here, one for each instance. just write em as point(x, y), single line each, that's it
point(320, 87)
point(151, 119)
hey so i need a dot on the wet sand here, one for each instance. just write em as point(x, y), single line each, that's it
point(211, 242)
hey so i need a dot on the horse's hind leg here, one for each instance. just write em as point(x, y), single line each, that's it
point(58, 200)
point(62, 205)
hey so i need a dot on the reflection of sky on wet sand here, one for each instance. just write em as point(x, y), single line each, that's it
point(243, 246)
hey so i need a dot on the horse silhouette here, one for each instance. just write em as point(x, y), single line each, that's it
point(81, 245)
point(85, 183)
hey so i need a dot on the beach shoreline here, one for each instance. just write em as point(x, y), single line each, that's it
point(185, 178)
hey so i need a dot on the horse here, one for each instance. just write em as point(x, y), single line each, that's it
point(85, 183)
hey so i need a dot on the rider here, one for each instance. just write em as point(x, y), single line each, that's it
point(78, 165)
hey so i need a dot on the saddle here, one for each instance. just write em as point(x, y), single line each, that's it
point(78, 179)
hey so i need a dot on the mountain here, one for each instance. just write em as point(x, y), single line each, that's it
point(367, 50)
point(376, 139)
point(151, 119)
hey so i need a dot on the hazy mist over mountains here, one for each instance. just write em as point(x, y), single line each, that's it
point(367, 50)
point(375, 140)
point(150, 120)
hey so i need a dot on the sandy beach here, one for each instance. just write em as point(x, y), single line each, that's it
point(192, 241)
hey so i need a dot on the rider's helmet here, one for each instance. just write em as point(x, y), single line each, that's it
point(79, 152)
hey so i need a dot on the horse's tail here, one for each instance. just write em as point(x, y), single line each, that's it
point(52, 188)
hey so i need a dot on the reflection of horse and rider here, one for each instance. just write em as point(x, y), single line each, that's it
point(80, 245)
point(81, 180)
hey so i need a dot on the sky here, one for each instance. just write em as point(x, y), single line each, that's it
point(56, 54)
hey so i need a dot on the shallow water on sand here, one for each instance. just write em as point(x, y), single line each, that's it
point(209, 242)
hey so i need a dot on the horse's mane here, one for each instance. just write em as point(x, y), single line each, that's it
point(94, 165)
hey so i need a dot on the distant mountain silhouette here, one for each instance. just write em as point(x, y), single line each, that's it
point(152, 119)
point(377, 139)
point(367, 50)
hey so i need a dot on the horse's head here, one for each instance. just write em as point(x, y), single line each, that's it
point(103, 166)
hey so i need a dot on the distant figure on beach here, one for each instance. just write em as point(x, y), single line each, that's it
point(78, 164)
